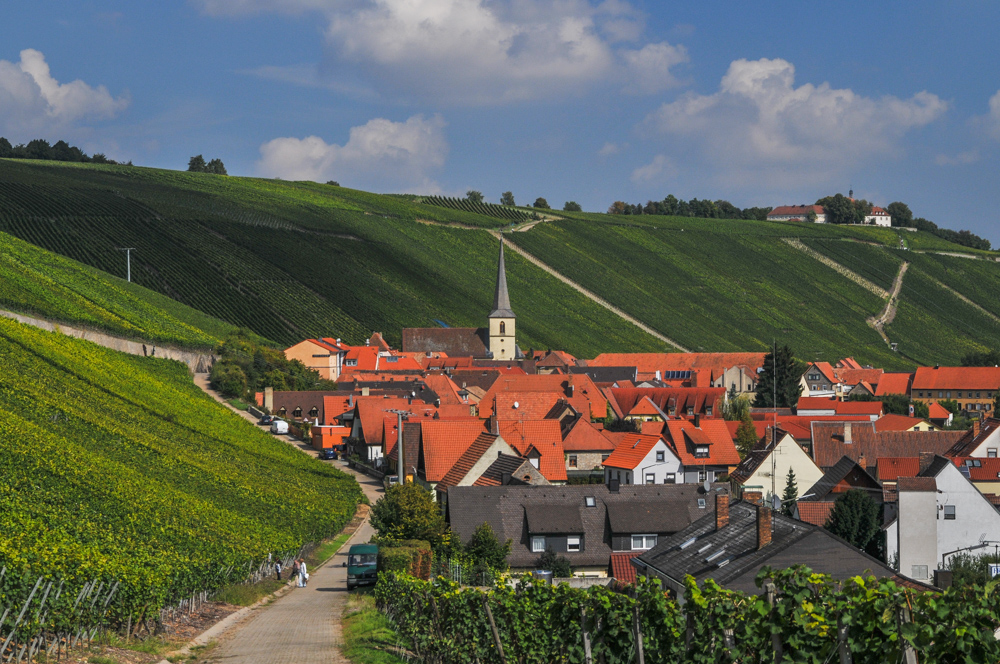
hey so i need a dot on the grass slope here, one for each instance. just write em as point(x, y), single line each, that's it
point(291, 260)
point(44, 284)
point(117, 467)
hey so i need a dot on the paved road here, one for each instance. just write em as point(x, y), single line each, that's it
point(303, 626)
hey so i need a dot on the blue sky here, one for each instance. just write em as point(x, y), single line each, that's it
point(758, 103)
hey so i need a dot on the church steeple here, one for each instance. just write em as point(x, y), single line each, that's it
point(501, 299)
point(503, 341)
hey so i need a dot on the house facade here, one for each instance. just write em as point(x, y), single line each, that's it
point(974, 388)
point(879, 217)
point(798, 213)
point(765, 469)
point(643, 459)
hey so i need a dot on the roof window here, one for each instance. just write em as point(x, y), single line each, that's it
point(590, 501)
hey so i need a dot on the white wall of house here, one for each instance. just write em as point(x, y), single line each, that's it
point(879, 219)
point(659, 466)
point(787, 455)
point(932, 524)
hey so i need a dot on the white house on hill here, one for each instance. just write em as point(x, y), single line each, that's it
point(797, 213)
point(879, 217)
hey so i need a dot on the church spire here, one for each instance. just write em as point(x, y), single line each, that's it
point(501, 299)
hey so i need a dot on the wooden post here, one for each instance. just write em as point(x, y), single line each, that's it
point(588, 658)
point(903, 616)
point(640, 656)
point(493, 627)
point(776, 645)
point(843, 650)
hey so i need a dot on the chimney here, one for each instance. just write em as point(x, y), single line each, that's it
point(364, 391)
point(975, 428)
point(350, 401)
point(768, 434)
point(697, 420)
point(269, 399)
point(569, 389)
point(848, 433)
point(721, 510)
point(755, 497)
point(763, 526)
point(925, 460)
point(494, 425)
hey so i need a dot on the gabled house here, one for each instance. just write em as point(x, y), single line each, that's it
point(940, 513)
point(666, 402)
point(704, 447)
point(733, 544)
point(892, 422)
point(484, 451)
point(540, 442)
point(814, 213)
point(643, 459)
point(982, 440)
point(765, 468)
point(729, 371)
point(821, 379)
point(973, 388)
point(586, 449)
point(442, 444)
point(817, 501)
point(585, 523)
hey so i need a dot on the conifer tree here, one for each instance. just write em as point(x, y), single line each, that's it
point(791, 494)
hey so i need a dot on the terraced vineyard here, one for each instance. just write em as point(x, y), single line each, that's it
point(41, 283)
point(877, 264)
point(486, 209)
point(118, 469)
point(292, 260)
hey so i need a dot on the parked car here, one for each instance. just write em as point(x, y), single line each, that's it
point(328, 454)
point(390, 480)
point(265, 420)
point(279, 427)
point(362, 565)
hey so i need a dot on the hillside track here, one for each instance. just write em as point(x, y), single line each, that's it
point(829, 262)
point(592, 296)
point(888, 314)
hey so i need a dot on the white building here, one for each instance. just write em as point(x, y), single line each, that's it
point(879, 217)
point(797, 213)
point(643, 459)
point(941, 513)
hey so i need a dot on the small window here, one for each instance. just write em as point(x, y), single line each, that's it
point(643, 542)
point(572, 461)
point(701, 503)
point(702, 475)
point(314, 411)
point(949, 512)
point(670, 478)
point(589, 501)
point(701, 451)
point(918, 571)
point(604, 457)
point(825, 387)
point(503, 328)
point(659, 456)
point(959, 395)
point(573, 543)
point(350, 363)
point(991, 453)
point(297, 412)
point(690, 410)
point(650, 478)
point(537, 544)
point(534, 461)
point(949, 394)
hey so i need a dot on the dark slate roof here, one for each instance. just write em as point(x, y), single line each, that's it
point(792, 542)
point(849, 469)
point(971, 440)
point(650, 517)
point(554, 519)
point(935, 467)
point(503, 507)
point(501, 298)
point(755, 457)
point(455, 341)
point(306, 400)
point(606, 374)
point(505, 464)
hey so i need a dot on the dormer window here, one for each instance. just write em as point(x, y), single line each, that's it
point(314, 411)
point(297, 412)
point(701, 451)
point(350, 363)
point(690, 410)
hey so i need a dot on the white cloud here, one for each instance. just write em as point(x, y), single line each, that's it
point(610, 148)
point(380, 155)
point(662, 168)
point(480, 51)
point(993, 118)
point(760, 127)
point(960, 159)
point(32, 100)
point(649, 67)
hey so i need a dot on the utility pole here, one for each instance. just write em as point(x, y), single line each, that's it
point(400, 456)
point(128, 261)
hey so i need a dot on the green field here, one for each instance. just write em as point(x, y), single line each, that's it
point(118, 468)
point(290, 260)
point(44, 284)
point(295, 260)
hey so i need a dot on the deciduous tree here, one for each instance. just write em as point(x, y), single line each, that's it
point(485, 548)
point(746, 435)
point(541, 203)
point(572, 206)
point(507, 198)
point(474, 196)
point(407, 512)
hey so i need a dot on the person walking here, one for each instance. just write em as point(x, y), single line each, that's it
point(303, 574)
point(295, 571)
point(277, 569)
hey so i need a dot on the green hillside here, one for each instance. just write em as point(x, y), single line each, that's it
point(295, 259)
point(117, 468)
point(41, 283)
point(292, 260)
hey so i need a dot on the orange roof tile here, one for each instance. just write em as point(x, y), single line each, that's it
point(699, 399)
point(371, 412)
point(893, 383)
point(645, 406)
point(529, 405)
point(961, 378)
point(522, 434)
point(816, 512)
point(893, 422)
point(551, 459)
point(684, 436)
point(335, 406)
point(653, 428)
point(889, 469)
point(584, 437)
point(572, 386)
point(647, 364)
point(840, 407)
point(445, 388)
point(464, 464)
point(632, 449)
point(444, 442)
point(936, 411)
point(621, 568)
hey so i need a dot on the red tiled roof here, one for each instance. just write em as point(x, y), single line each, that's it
point(556, 358)
point(647, 364)
point(829, 445)
point(840, 407)
point(816, 512)
point(916, 484)
point(654, 428)
point(855, 376)
point(444, 442)
point(632, 449)
point(700, 399)
point(529, 405)
point(580, 385)
point(936, 411)
point(826, 369)
point(445, 388)
point(982, 469)
point(785, 210)
point(371, 412)
point(645, 407)
point(889, 469)
point(551, 461)
point(876, 210)
point(464, 464)
point(961, 378)
point(684, 436)
point(893, 383)
point(893, 422)
point(621, 568)
point(335, 406)
point(522, 434)
point(584, 437)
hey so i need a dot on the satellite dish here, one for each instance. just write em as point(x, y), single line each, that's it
point(776, 503)
point(516, 404)
point(707, 485)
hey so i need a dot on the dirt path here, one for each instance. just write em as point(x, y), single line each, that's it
point(888, 313)
point(593, 296)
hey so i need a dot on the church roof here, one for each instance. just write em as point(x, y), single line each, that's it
point(501, 299)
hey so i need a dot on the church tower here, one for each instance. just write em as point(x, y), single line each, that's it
point(502, 320)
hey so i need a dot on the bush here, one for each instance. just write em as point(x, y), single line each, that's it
point(405, 512)
point(413, 558)
point(228, 379)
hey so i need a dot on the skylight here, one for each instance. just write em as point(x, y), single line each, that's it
point(686, 543)
point(715, 555)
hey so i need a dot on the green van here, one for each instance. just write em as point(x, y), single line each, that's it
point(361, 565)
